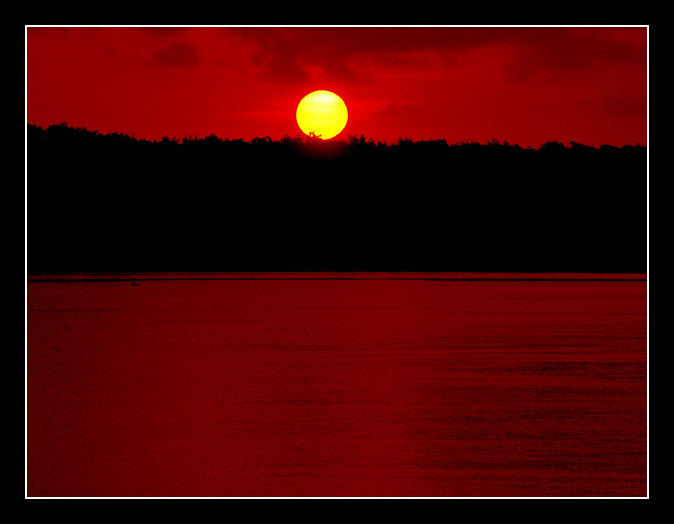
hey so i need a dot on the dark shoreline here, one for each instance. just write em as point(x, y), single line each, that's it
point(110, 203)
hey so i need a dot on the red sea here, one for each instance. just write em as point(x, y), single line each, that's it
point(235, 385)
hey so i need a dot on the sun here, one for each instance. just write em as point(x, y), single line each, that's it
point(322, 113)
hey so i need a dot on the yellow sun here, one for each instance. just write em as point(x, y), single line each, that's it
point(322, 113)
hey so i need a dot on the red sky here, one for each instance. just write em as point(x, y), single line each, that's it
point(524, 85)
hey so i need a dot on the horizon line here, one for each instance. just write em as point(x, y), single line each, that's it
point(336, 139)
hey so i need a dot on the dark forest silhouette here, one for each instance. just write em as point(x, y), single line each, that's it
point(110, 202)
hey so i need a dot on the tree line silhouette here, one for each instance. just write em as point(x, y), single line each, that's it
point(111, 202)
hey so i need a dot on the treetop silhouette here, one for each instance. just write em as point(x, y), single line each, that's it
point(112, 202)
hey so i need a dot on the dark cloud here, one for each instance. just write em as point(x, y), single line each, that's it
point(178, 55)
point(548, 53)
point(286, 54)
point(621, 52)
point(616, 106)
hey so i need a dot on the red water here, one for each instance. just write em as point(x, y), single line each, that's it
point(336, 388)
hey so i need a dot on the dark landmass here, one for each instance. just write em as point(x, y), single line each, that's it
point(111, 203)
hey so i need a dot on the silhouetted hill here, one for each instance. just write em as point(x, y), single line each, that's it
point(113, 203)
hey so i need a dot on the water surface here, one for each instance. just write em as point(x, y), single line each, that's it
point(336, 385)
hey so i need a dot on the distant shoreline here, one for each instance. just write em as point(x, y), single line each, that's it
point(327, 275)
